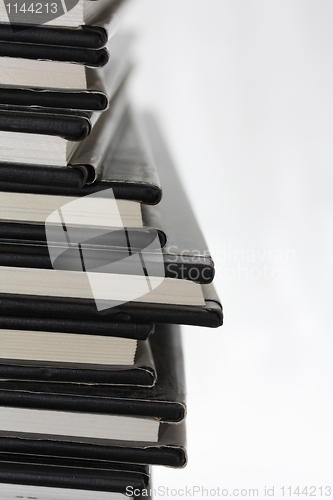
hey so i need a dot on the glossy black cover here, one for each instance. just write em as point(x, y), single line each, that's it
point(95, 58)
point(69, 125)
point(66, 99)
point(117, 326)
point(88, 37)
point(32, 309)
point(170, 450)
point(22, 178)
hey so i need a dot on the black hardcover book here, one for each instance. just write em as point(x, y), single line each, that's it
point(41, 136)
point(29, 310)
point(87, 37)
point(71, 125)
point(96, 58)
point(170, 450)
point(44, 363)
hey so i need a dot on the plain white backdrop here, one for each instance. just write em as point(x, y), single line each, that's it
point(243, 90)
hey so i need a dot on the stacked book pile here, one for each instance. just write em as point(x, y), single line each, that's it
point(97, 268)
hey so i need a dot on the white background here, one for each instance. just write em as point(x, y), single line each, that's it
point(243, 90)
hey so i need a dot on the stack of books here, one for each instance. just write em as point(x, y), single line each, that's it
point(98, 266)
